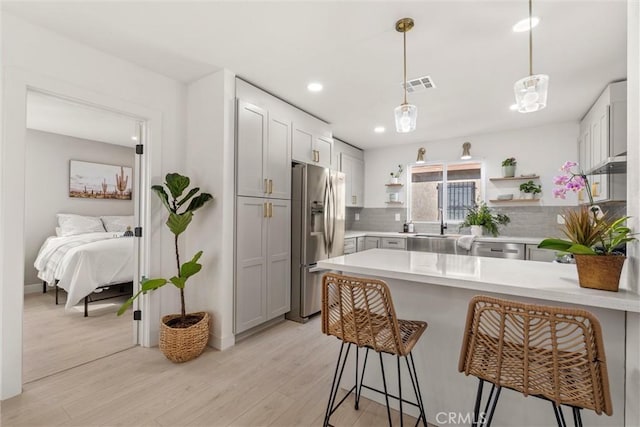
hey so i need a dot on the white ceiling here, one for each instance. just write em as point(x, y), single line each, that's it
point(66, 117)
point(467, 47)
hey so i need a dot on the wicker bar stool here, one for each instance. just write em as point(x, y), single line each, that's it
point(360, 312)
point(552, 353)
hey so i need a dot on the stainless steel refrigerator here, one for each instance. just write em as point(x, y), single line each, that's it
point(317, 233)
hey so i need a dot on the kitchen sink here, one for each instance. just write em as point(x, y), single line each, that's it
point(444, 244)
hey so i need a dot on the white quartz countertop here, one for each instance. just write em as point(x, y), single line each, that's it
point(532, 279)
point(503, 239)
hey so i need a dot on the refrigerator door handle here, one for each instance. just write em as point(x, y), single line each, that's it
point(325, 216)
point(333, 214)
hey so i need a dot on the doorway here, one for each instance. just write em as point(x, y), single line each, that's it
point(82, 203)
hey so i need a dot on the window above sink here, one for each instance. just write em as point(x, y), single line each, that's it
point(447, 187)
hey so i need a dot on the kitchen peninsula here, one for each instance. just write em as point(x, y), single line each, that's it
point(436, 288)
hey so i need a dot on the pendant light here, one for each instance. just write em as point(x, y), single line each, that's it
point(405, 113)
point(531, 91)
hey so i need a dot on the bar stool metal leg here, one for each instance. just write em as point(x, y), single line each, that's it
point(416, 389)
point(359, 388)
point(476, 408)
point(335, 385)
point(577, 418)
point(386, 392)
point(399, 390)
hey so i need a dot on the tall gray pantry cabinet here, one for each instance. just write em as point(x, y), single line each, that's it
point(263, 208)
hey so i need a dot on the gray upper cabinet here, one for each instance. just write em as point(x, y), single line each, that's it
point(278, 226)
point(263, 153)
point(351, 163)
point(603, 134)
point(312, 142)
point(353, 169)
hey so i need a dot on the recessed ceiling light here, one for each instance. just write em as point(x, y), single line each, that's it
point(523, 25)
point(513, 107)
point(134, 138)
point(314, 87)
point(379, 129)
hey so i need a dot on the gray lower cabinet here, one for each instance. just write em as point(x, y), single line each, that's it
point(393, 243)
point(536, 254)
point(360, 244)
point(350, 245)
point(263, 261)
point(371, 242)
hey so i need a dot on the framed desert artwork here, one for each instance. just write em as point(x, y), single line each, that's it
point(99, 181)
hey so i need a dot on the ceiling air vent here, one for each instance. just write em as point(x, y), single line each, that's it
point(420, 84)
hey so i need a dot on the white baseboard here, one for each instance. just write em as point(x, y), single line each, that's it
point(33, 288)
point(221, 343)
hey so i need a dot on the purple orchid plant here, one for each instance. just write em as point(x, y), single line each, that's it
point(571, 181)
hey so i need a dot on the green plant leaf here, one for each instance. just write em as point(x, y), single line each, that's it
point(581, 250)
point(127, 304)
point(192, 267)
point(178, 223)
point(179, 282)
point(176, 184)
point(189, 195)
point(152, 284)
point(199, 202)
point(164, 197)
point(555, 244)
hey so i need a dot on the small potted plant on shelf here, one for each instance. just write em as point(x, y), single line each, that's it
point(509, 167)
point(530, 189)
point(481, 218)
point(395, 176)
point(182, 336)
point(593, 239)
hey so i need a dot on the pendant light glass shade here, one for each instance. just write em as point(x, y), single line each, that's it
point(406, 115)
point(531, 93)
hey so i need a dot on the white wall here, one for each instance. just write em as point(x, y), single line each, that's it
point(632, 414)
point(47, 186)
point(541, 150)
point(32, 53)
point(211, 165)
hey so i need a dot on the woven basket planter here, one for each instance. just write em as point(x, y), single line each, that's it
point(184, 344)
point(599, 271)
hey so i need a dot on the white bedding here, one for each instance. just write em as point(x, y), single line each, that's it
point(83, 262)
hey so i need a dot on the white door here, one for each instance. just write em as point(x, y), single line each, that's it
point(251, 137)
point(278, 159)
point(251, 263)
point(279, 258)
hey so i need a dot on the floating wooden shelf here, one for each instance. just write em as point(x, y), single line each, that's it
point(515, 201)
point(394, 203)
point(516, 178)
point(393, 185)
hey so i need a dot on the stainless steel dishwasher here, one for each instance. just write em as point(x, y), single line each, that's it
point(498, 250)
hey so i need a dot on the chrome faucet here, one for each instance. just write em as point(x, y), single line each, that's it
point(443, 225)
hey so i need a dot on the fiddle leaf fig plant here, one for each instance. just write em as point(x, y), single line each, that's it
point(177, 222)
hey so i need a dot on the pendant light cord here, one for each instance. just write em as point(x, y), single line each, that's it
point(530, 39)
point(404, 42)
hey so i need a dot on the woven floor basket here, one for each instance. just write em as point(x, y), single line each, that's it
point(183, 344)
point(599, 271)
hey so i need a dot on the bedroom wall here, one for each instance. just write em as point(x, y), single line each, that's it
point(47, 186)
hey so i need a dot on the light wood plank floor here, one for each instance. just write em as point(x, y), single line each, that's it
point(280, 377)
point(55, 340)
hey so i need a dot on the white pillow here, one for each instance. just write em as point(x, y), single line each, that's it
point(117, 223)
point(71, 224)
point(58, 231)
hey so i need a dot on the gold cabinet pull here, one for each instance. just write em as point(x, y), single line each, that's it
point(595, 189)
point(353, 200)
point(270, 210)
point(270, 186)
point(265, 210)
point(266, 185)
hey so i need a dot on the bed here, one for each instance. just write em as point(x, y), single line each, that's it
point(86, 264)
